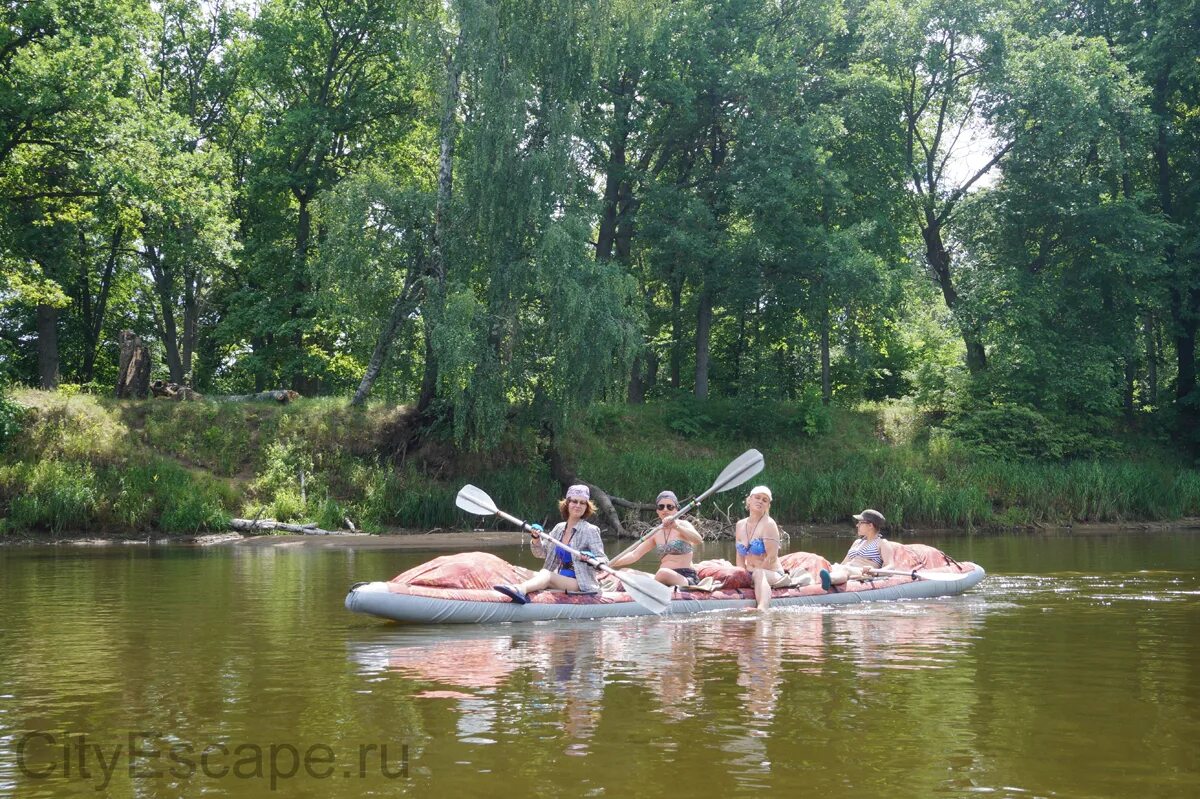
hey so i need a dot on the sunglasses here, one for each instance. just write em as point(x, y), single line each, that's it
point(666, 506)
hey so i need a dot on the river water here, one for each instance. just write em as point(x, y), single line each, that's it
point(1072, 671)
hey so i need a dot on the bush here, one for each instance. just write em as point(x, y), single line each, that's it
point(163, 495)
point(749, 419)
point(51, 495)
point(1010, 432)
point(12, 416)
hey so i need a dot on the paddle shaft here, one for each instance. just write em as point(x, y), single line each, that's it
point(526, 526)
point(739, 470)
point(691, 504)
point(918, 574)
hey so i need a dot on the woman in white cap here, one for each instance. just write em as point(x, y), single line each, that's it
point(757, 543)
point(675, 543)
point(561, 570)
point(869, 551)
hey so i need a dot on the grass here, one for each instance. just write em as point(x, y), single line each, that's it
point(85, 464)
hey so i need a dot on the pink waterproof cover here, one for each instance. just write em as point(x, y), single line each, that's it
point(464, 570)
point(469, 576)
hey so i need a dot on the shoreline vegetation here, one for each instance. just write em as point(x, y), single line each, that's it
point(104, 468)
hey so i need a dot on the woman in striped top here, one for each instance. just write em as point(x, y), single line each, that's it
point(869, 551)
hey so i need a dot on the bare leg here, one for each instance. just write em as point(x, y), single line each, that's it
point(839, 573)
point(670, 577)
point(548, 579)
point(762, 588)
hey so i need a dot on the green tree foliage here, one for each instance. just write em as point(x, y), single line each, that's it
point(501, 211)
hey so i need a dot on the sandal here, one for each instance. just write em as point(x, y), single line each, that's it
point(513, 593)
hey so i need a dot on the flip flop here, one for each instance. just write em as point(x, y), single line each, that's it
point(826, 580)
point(510, 591)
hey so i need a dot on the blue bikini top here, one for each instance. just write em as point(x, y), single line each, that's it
point(756, 547)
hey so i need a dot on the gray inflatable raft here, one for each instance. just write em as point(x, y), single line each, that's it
point(467, 606)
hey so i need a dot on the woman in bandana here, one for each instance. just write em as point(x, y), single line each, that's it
point(674, 544)
point(561, 570)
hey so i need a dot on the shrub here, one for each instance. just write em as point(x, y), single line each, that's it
point(12, 416)
point(51, 495)
point(165, 496)
point(1010, 432)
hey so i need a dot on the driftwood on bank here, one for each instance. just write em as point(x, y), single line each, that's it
point(280, 395)
point(174, 391)
point(267, 525)
point(565, 475)
point(621, 502)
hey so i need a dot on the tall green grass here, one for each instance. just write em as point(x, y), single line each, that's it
point(79, 463)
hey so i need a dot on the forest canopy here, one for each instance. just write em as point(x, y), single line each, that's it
point(501, 212)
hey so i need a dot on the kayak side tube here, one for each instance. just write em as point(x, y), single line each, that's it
point(388, 601)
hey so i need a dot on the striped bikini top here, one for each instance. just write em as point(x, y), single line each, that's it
point(869, 550)
point(676, 546)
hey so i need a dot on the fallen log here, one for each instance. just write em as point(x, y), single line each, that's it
point(265, 525)
point(621, 502)
point(280, 395)
point(173, 391)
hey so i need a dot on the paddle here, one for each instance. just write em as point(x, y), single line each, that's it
point(645, 590)
point(922, 574)
point(739, 470)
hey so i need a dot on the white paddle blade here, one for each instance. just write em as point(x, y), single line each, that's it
point(475, 500)
point(646, 591)
point(741, 469)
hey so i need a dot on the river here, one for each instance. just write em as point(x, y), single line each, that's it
point(167, 671)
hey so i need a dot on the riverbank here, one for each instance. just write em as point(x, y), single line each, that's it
point(441, 541)
point(143, 469)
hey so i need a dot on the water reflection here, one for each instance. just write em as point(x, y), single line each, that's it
point(1070, 647)
point(555, 675)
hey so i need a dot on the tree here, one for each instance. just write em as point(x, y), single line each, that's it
point(333, 85)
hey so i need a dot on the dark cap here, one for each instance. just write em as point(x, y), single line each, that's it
point(872, 516)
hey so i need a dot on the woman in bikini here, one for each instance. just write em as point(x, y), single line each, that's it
point(869, 551)
point(675, 544)
point(757, 542)
point(561, 570)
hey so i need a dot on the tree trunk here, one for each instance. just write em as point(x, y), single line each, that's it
point(1151, 362)
point(703, 336)
point(191, 312)
point(938, 258)
point(93, 321)
point(1184, 302)
point(438, 270)
point(302, 382)
point(401, 308)
point(676, 332)
point(168, 331)
point(566, 476)
point(826, 388)
point(637, 388)
point(1130, 378)
point(616, 181)
point(258, 345)
point(47, 346)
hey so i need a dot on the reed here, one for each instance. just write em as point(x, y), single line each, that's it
point(81, 463)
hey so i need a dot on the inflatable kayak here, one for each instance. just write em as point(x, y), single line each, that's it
point(456, 589)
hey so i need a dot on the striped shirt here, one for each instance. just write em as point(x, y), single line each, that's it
point(866, 549)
